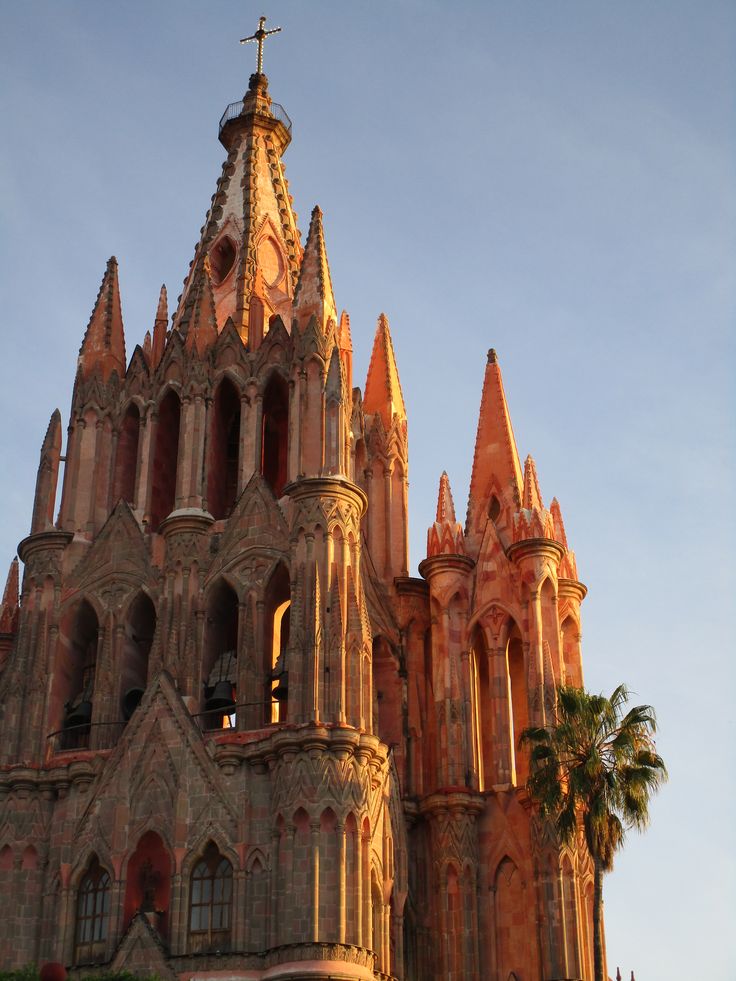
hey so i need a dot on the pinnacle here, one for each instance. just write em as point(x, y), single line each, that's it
point(445, 504)
point(159, 328)
point(496, 467)
point(346, 340)
point(556, 513)
point(103, 346)
point(10, 595)
point(383, 393)
point(313, 295)
point(531, 495)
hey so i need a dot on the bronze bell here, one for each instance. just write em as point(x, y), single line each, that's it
point(221, 699)
point(79, 715)
point(281, 691)
point(131, 700)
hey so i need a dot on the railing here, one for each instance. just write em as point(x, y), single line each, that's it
point(105, 735)
point(88, 735)
point(235, 109)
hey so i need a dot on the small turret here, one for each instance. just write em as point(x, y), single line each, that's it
point(103, 347)
point(313, 296)
point(445, 536)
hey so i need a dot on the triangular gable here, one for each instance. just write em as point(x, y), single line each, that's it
point(256, 521)
point(141, 951)
point(174, 756)
point(118, 553)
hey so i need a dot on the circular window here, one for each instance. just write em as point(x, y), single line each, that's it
point(222, 259)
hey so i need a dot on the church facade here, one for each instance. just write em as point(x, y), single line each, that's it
point(238, 740)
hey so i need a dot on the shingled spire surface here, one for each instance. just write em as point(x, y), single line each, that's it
point(383, 395)
point(103, 347)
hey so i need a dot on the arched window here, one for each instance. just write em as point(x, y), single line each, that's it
point(275, 436)
point(210, 908)
point(139, 630)
point(519, 705)
point(77, 662)
point(220, 666)
point(126, 457)
point(163, 493)
point(278, 620)
point(93, 910)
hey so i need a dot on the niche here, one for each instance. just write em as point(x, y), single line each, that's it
point(148, 883)
point(224, 446)
point(163, 491)
point(275, 434)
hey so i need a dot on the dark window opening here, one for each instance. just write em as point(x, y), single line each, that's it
point(275, 436)
point(163, 493)
point(139, 631)
point(77, 664)
point(278, 624)
point(220, 666)
point(223, 456)
point(222, 259)
point(126, 459)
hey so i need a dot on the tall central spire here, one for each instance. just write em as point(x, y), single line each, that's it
point(250, 232)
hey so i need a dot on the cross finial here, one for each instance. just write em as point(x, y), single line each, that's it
point(260, 36)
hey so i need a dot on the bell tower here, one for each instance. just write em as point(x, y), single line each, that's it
point(237, 738)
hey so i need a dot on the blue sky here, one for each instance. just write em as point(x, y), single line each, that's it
point(555, 180)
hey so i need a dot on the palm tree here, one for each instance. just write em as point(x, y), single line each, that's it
point(596, 762)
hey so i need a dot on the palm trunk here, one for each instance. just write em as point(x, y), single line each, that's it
point(598, 921)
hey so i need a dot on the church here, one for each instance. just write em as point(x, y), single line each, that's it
point(238, 739)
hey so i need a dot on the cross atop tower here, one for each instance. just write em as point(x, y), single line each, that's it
point(260, 36)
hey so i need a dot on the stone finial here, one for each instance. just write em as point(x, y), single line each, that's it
point(531, 496)
point(47, 476)
point(445, 536)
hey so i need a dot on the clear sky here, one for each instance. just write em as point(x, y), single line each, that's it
point(553, 179)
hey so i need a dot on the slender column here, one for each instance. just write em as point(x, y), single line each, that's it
point(315, 835)
point(115, 438)
point(273, 891)
point(95, 470)
point(536, 659)
point(145, 475)
point(388, 516)
point(342, 882)
point(242, 441)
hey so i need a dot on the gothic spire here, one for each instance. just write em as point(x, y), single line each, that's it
point(445, 536)
point(313, 295)
point(382, 387)
point(531, 495)
point(496, 467)
point(201, 326)
point(103, 347)
point(160, 325)
point(9, 605)
point(47, 476)
point(251, 221)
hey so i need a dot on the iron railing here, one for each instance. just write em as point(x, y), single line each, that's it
point(235, 109)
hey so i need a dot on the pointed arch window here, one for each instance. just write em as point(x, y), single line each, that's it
point(210, 910)
point(275, 435)
point(93, 911)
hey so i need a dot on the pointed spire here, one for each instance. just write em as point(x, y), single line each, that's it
point(445, 504)
point(383, 393)
point(313, 295)
point(496, 460)
point(345, 341)
point(147, 348)
point(202, 326)
point(531, 496)
point(9, 605)
point(48, 474)
point(445, 537)
point(160, 326)
point(556, 513)
point(103, 346)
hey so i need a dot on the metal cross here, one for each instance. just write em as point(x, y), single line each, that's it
point(260, 36)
